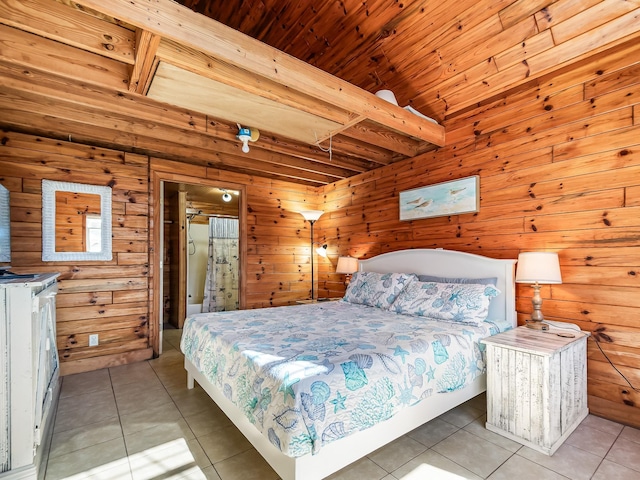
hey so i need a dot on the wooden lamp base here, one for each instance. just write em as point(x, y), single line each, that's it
point(536, 322)
point(537, 325)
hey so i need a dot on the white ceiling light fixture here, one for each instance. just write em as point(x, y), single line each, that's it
point(387, 95)
point(226, 196)
point(246, 135)
point(390, 97)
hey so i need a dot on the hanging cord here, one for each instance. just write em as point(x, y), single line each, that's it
point(330, 149)
point(611, 363)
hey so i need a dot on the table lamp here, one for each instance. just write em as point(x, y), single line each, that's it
point(538, 268)
point(347, 266)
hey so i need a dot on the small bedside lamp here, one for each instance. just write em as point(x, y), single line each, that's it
point(347, 266)
point(322, 250)
point(538, 268)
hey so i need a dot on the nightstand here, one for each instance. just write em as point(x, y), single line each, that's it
point(536, 386)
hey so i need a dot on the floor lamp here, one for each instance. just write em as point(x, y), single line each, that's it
point(311, 216)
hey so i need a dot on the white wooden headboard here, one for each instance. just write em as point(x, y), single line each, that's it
point(449, 263)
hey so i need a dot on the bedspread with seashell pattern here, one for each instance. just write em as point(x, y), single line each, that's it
point(307, 375)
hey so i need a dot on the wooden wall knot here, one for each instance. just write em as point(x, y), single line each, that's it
point(599, 335)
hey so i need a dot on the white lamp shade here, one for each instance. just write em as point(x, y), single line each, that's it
point(347, 265)
point(311, 215)
point(322, 251)
point(538, 267)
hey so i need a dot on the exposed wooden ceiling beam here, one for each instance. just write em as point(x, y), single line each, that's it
point(51, 126)
point(108, 120)
point(177, 23)
point(214, 69)
point(72, 27)
point(284, 147)
point(146, 47)
point(174, 85)
point(371, 133)
point(31, 58)
point(18, 47)
point(107, 114)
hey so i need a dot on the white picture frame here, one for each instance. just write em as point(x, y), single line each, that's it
point(49, 253)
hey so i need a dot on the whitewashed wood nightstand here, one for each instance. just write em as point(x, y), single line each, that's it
point(536, 386)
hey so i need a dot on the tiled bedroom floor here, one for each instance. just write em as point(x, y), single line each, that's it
point(140, 422)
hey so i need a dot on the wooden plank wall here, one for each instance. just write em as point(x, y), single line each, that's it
point(107, 298)
point(559, 166)
point(278, 243)
point(115, 298)
point(278, 270)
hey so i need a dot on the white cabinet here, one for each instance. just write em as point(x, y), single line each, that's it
point(29, 373)
point(536, 386)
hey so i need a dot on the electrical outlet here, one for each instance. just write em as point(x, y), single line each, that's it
point(93, 340)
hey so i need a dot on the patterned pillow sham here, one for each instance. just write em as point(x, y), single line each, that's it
point(458, 302)
point(376, 289)
point(482, 281)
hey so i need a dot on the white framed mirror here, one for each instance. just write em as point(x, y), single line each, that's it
point(76, 222)
point(5, 226)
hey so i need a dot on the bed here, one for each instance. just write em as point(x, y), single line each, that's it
point(316, 387)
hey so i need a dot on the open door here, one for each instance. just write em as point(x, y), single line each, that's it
point(187, 210)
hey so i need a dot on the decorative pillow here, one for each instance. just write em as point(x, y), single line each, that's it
point(376, 289)
point(481, 281)
point(458, 302)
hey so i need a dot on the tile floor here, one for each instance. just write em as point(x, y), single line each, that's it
point(140, 422)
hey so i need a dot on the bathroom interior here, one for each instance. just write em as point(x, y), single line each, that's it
point(201, 251)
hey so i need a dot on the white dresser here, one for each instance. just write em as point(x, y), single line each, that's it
point(29, 373)
point(536, 386)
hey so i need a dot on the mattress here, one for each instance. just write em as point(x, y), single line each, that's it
point(308, 375)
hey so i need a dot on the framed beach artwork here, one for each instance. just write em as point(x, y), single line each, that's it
point(442, 199)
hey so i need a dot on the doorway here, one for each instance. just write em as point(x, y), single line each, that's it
point(190, 212)
point(201, 250)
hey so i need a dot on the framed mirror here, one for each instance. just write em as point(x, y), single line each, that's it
point(76, 222)
point(5, 226)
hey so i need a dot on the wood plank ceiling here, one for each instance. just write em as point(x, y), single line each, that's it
point(440, 57)
point(157, 78)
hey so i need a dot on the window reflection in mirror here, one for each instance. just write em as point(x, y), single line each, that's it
point(76, 222)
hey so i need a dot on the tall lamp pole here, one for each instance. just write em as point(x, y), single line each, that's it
point(311, 216)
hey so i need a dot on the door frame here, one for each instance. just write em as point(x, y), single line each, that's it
point(157, 177)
